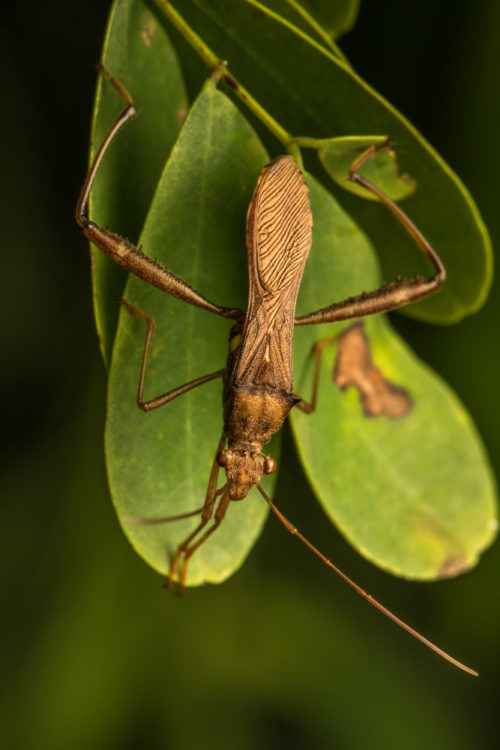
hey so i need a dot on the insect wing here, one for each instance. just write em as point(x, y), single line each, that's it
point(279, 234)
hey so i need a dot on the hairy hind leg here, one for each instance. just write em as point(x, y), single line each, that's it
point(388, 296)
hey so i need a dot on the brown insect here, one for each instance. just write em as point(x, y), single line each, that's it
point(258, 391)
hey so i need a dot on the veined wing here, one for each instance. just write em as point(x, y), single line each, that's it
point(279, 233)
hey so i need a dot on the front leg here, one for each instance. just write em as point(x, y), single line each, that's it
point(388, 296)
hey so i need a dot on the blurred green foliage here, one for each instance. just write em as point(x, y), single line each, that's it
point(95, 654)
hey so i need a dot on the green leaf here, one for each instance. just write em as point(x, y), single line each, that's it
point(159, 463)
point(414, 495)
point(314, 94)
point(138, 53)
point(338, 154)
point(335, 16)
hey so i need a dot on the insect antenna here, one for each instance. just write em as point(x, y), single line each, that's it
point(136, 521)
point(293, 530)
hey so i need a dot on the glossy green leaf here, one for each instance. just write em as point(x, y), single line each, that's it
point(338, 154)
point(323, 21)
point(138, 52)
point(336, 17)
point(414, 495)
point(159, 463)
point(312, 93)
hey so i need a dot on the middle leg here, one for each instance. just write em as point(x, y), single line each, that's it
point(164, 398)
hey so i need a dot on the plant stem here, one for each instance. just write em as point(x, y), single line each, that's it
point(213, 62)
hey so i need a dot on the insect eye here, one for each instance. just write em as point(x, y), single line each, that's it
point(224, 458)
point(269, 465)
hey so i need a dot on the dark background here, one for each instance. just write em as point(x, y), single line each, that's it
point(95, 654)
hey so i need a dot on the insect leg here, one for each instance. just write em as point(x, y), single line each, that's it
point(123, 252)
point(309, 406)
point(188, 551)
point(164, 398)
point(206, 515)
point(389, 296)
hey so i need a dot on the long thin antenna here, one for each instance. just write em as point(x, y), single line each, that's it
point(293, 530)
point(135, 521)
